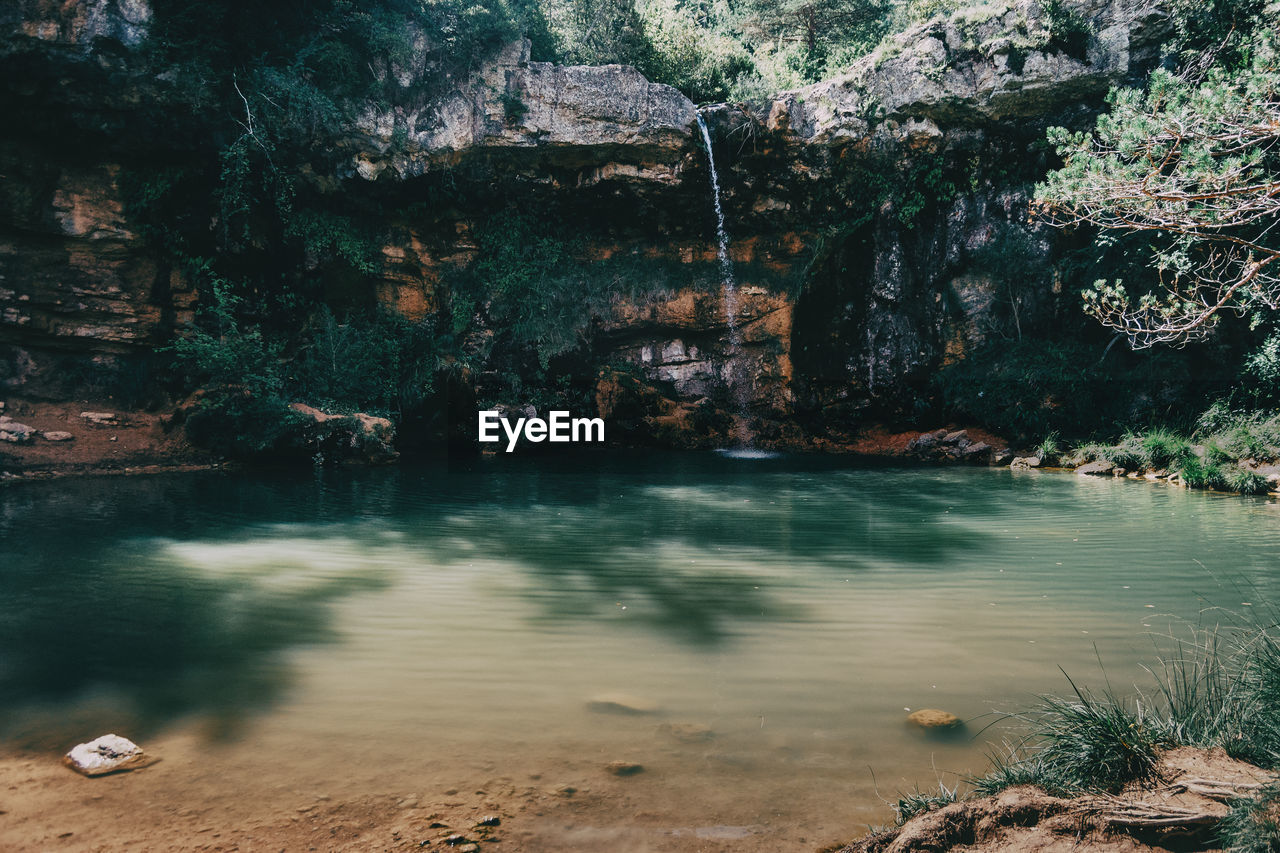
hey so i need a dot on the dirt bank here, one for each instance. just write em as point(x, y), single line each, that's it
point(133, 442)
point(126, 443)
point(1178, 808)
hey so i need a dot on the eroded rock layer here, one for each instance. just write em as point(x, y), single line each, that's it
point(861, 209)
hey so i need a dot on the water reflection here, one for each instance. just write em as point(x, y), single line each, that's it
point(135, 638)
point(166, 597)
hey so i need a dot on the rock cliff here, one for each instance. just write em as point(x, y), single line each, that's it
point(860, 208)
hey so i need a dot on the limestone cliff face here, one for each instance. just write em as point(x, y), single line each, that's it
point(608, 122)
point(79, 289)
point(78, 25)
point(977, 68)
point(849, 299)
point(888, 301)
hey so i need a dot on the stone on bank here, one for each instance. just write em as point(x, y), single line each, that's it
point(107, 754)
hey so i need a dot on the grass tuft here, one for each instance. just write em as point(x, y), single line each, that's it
point(1201, 474)
point(1095, 742)
point(1246, 482)
point(1232, 444)
point(1085, 453)
point(1130, 454)
point(1253, 823)
point(1014, 767)
point(1217, 690)
point(920, 802)
point(1165, 448)
point(1050, 448)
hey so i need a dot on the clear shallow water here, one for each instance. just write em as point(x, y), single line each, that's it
point(428, 625)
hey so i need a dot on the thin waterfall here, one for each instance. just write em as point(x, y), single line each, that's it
point(737, 387)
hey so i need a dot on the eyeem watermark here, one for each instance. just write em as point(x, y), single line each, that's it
point(559, 428)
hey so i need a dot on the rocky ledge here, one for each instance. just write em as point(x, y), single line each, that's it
point(843, 326)
point(1188, 795)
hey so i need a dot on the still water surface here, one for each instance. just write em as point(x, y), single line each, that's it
point(427, 624)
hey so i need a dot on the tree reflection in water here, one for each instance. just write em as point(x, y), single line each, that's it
point(105, 602)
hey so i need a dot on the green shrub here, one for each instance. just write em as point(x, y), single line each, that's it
point(528, 282)
point(1244, 481)
point(243, 426)
point(1215, 454)
point(223, 352)
point(704, 62)
point(1250, 436)
point(1260, 376)
point(513, 108)
point(1200, 473)
point(1025, 389)
point(1165, 448)
point(374, 361)
point(1069, 30)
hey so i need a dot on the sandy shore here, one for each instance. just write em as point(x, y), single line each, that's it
point(231, 800)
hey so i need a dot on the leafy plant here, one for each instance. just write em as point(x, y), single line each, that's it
point(1200, 194)
point(375, 361)
point(1069, 30)
point(1029, 388)
point(1050, 447)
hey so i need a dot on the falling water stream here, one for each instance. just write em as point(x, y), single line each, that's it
point(737, 387)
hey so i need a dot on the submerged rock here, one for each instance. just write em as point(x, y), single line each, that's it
point(932, 718)
point(108, 754)
point(687, 732)
point(624, 768)
point(57, 435)
point(621, 703)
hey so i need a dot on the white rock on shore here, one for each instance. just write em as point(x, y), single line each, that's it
point(107, 754)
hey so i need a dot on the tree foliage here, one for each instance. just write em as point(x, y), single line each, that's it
point(1192, 161)
point(815, 24)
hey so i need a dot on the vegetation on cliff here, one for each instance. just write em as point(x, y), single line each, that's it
point(259, 212)
point(1174, 191)
point(1191, 163)
point(1172, 199)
